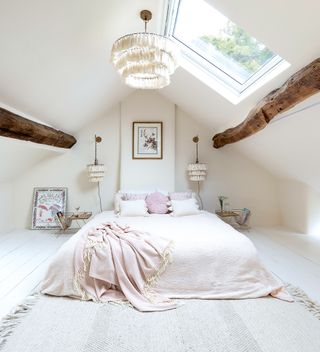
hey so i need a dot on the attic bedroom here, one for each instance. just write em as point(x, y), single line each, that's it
point(159, 187)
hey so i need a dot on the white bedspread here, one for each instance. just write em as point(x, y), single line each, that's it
point(210, 259)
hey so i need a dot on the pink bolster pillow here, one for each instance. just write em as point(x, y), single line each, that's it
point(134, 196)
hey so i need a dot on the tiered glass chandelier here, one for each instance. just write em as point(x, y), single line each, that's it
point(145, 60)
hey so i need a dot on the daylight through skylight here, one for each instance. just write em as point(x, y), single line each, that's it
point(219, 46)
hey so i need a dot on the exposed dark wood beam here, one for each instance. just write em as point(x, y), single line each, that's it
point(299, 87)
point(15, 126)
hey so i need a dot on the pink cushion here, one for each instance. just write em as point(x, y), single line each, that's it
point(157, 203)
point(180, 195)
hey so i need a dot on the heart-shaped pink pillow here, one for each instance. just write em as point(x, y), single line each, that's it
point(157, 203)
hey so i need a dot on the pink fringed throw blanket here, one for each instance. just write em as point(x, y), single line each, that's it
point(113, 262)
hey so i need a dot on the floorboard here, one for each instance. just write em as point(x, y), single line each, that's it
point(292, 257)
point(24, 257)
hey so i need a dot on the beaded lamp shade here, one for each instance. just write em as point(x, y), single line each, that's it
point(96, 170)
point(197, 171)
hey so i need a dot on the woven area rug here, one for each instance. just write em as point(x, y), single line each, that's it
point(49, 324)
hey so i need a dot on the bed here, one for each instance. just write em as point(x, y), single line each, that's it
point(211, 260)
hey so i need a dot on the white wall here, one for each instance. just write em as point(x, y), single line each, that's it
point(147, 174)
point(69, 170)
point(230, 174)
point(300, 207)
point(6, 207)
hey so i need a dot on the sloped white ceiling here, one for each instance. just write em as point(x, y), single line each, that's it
point(289, 147)
point(54, 66)
point(54, 62)
point(18, 156)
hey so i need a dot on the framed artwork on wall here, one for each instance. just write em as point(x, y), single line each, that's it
point(46, 203)
point(147, 140)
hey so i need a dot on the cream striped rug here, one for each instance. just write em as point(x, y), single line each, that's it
point(48, 324)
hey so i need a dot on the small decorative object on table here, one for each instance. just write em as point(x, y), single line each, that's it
point(221, 202)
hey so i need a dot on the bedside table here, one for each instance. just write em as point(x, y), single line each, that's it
point(65, 220)
point(226, 214)
point(230, 217)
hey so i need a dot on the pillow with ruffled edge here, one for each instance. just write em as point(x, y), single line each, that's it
point(157, 203)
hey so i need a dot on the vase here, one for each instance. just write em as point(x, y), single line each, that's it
point(221, 201)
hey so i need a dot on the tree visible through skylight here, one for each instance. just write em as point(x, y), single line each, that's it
point(220, 41)
point(235, 44)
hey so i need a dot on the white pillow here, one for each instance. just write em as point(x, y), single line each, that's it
point(119, 195)
point(185, 207)
point(133, 208)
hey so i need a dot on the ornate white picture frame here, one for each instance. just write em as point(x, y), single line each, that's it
point(46, 203)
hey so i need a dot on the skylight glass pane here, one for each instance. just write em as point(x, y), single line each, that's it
point(219, 41)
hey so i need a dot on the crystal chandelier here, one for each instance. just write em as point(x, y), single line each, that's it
point(145, 60)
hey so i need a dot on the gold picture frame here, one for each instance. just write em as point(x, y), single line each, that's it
point(147, 140)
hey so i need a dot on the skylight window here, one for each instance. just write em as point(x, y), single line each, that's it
point(220, 52)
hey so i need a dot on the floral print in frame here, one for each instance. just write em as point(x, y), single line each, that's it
point(147, 140)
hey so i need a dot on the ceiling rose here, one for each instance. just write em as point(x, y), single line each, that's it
point(145, 60)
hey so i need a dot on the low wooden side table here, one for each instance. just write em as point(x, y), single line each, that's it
point(226, 215)
point(230, 218)
point(65, 220)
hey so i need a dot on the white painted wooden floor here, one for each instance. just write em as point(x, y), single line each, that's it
point(24, 256)
point(295, 258)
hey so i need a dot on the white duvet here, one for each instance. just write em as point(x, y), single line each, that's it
point(210, 259)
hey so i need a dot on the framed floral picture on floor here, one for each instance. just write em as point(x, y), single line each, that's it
point(147, 140)
point(47, 202)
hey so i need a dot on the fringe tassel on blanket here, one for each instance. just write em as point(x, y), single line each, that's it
point(10, 321)
point(302, 298)
point(166, 258)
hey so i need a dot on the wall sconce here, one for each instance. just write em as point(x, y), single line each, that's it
point(96, 170)
point(197, 171)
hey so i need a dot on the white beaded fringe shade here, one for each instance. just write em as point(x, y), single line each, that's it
point(95, 172)
point(145, 60)
point(197, 171)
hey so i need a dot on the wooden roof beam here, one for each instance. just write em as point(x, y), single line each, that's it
point(297, 88)
point(18, 127)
